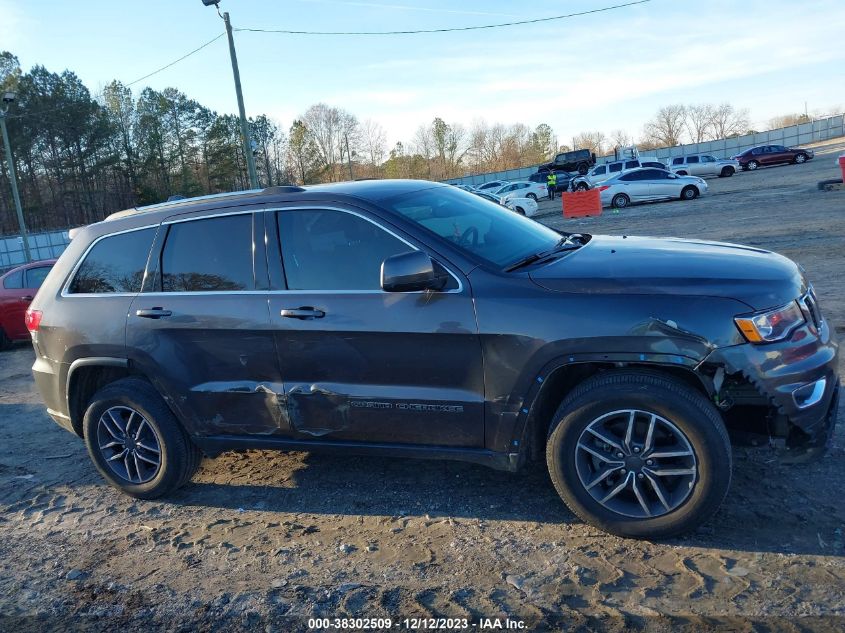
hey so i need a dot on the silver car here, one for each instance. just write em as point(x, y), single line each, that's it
point(703, 165)
point(647, 185)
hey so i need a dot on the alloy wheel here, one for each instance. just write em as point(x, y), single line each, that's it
point(636, 463)
point(129, 444)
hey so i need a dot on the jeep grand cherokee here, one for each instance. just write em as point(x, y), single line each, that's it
point(412, 319)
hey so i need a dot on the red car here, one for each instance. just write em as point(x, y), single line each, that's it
point(763, 155)
point(17, 288)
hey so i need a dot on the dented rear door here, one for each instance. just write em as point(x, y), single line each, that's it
point(361, 364)
point(200, 329)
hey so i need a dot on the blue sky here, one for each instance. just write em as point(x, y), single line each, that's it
point(601, 72)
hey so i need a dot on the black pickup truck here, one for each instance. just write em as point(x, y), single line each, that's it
point(579, 160)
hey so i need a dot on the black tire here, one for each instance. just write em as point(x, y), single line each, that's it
point(583, 168)
point(520, 210)
point(532, 196)
point(5, 341)
point(800, 158)
point(682, 173)
point(620, 201)
point(582, 186)
point(726, 172)
point(179, 457)
point(689, 193)
point(752, 165)
point(692, 413)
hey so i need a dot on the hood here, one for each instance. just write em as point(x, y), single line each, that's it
point(659, 266)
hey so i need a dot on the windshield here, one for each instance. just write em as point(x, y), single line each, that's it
point(485, 229)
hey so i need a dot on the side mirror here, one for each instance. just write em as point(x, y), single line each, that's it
point(410, 272)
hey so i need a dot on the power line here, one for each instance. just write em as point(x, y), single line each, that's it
point(174, 62)
point(132, 83)
point(448, 30)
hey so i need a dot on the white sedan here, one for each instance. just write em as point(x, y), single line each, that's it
point(522, 189)
point(646, 185)
point(523, 206)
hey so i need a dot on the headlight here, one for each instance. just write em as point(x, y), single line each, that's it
point(770, 326)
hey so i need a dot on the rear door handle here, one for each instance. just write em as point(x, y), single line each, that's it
point(302, 313)
point(26, 298)
point(153, 313)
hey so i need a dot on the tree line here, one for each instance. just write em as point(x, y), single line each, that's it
point(80, 156)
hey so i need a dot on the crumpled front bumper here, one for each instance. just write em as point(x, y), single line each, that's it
point(799, 378)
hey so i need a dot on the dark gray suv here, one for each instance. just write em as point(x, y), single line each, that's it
point(412, 319)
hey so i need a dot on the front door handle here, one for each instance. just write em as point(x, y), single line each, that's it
point(303, 313)
point(153, 313)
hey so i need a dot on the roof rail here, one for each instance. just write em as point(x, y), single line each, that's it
point(282, 189)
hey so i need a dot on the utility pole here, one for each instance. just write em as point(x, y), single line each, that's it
point(348, 155)
point(9, 97)
point(250, 159)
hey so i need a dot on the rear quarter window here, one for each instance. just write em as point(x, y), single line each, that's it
point(13, 281)
point(115, 264)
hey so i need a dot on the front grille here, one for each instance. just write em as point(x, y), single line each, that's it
point(810, 305)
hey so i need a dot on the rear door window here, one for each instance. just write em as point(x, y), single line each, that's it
point(691, 160)
point(209, 255)
point(615, 167)
point(631, 164)
point(678, 161)
point(115, 264)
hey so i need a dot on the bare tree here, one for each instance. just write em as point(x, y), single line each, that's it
point(699, 121)
point(373, 142)
point(785, 120)
point(727, 122)
point(594, 141)
point(667, 126)
point(620, 138)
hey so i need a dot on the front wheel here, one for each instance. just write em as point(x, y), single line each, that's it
point(532, 196)
point(726, 171)
point(640, 455)
point(136, 442)
point(801, 158)
point(520, 210)
point(689, 193)
point(620, 201)
point(582, 186)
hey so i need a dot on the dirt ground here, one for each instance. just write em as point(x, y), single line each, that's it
point(265, 541)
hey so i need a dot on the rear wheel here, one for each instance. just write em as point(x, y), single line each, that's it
point(520, 210)
point(753, 165)
point(583, 168)
point(135, 441)
point(620, 201)
point(800, 158)
point(638, 454)
point(682, 173)
point(689, 193)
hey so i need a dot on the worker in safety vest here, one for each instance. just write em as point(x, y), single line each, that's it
point(551, 184)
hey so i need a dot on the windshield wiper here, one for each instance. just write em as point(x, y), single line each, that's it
point(561, 247)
